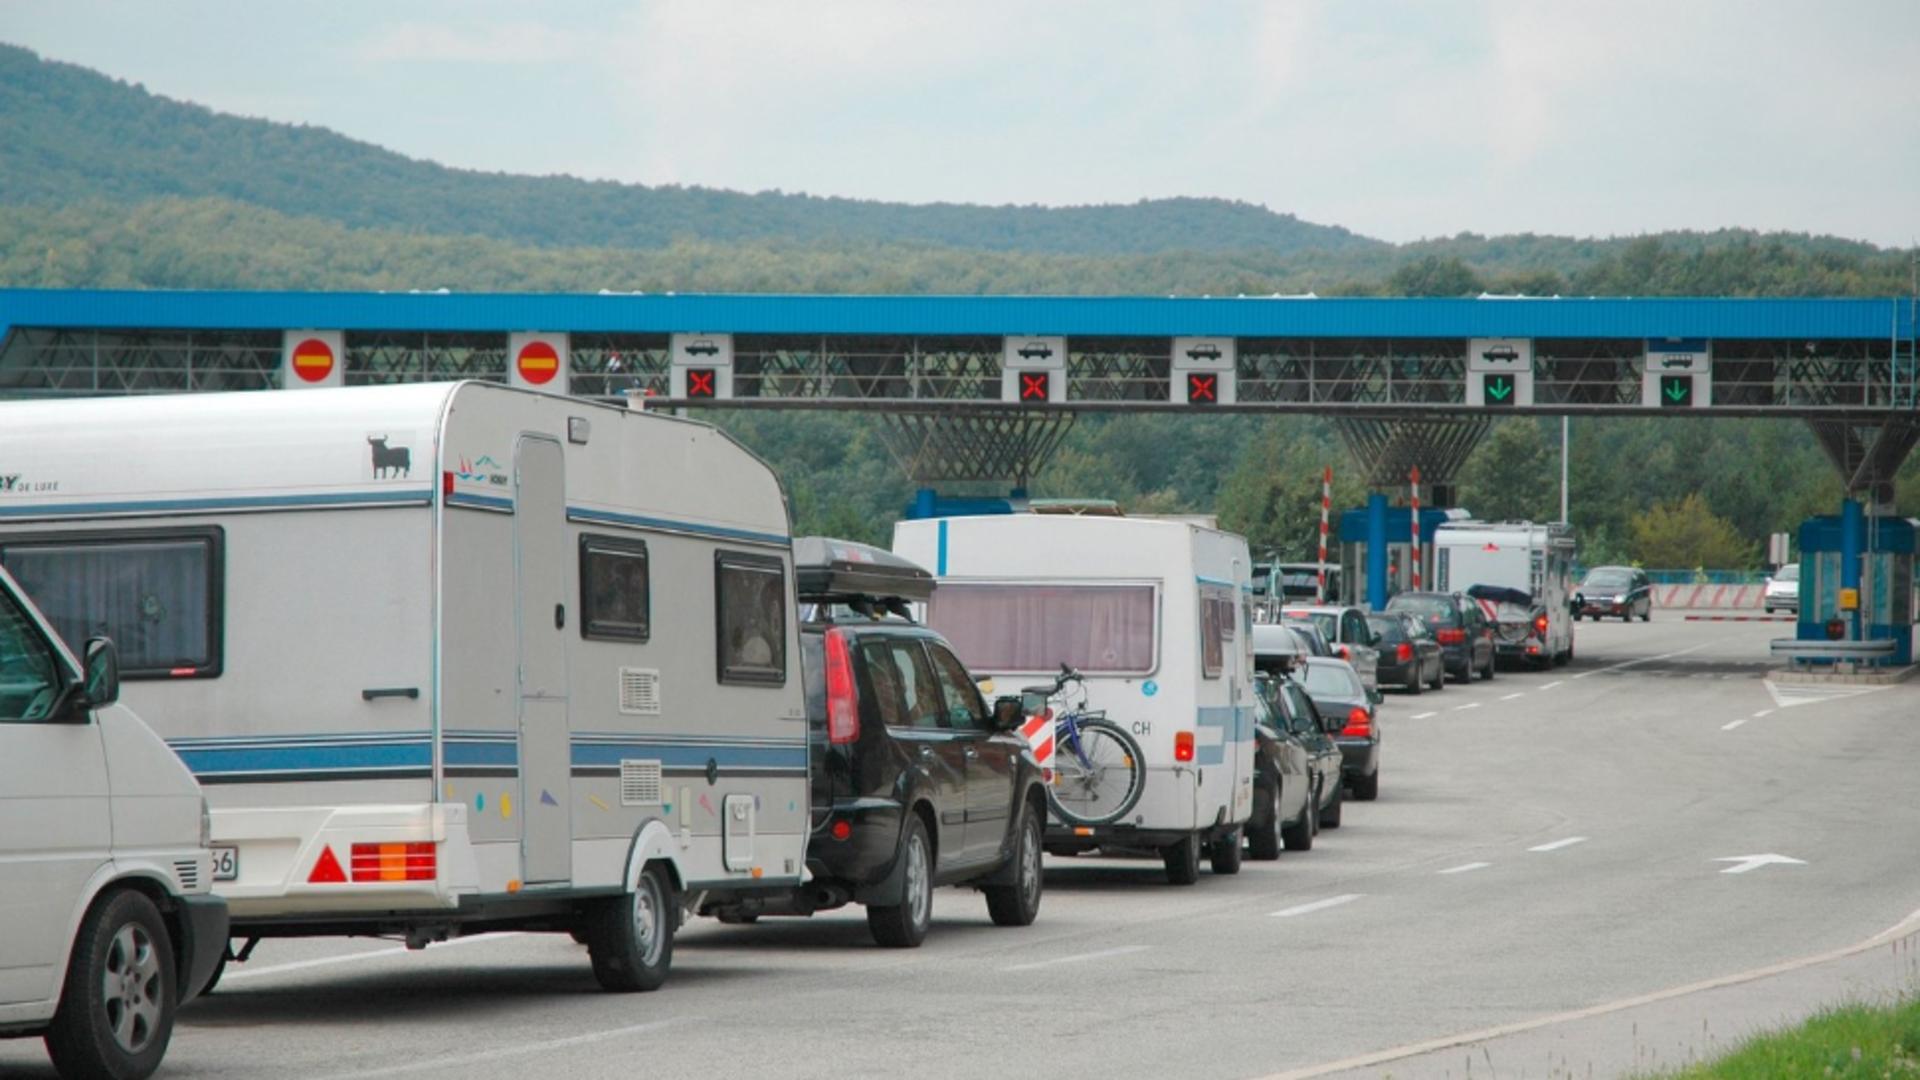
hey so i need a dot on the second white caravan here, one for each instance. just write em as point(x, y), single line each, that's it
point(1155, 616)
point(446, 658)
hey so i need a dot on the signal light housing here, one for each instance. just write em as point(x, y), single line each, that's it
point(1359, 724)
point(1540, 625)
point(1404, 652)
point(843, 701)
point(841, 830)
point(1183, 746)
point(410, 861)
point(1451, 637)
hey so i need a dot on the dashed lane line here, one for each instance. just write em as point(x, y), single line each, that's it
point(1317, 905)
point(1463, 708)
point(1423, 715)
point(1510, 697)
point(1553, 684)
point(1464, 867)
point(1731, 725)
point(1644, 660)
point(1556, 845)
point(1079, 958)
point(1763, 713)
point(520, 1050)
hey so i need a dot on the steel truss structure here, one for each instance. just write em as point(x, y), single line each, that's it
point(1388, 451)
point(997, 446)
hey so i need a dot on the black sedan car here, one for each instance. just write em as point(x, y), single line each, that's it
point(1463, 630)
point(1409, 656)
point(1614, 590)
point(916, 782)
point(1337, 693)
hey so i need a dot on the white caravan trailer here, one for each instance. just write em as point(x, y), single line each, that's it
point(1521, 573)
point(1155, 615)
point(446, 658)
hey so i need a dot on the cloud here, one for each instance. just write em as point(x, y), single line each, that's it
point(498, 43)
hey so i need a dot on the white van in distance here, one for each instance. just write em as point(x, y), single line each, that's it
point(106, 923)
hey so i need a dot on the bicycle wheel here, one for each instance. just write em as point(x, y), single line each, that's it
point(1106, 784)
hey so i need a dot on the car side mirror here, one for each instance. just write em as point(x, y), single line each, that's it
point(103, 672)
point(1374, 695)
point(1007, 713)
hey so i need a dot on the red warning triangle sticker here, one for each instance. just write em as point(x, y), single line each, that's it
point(326, 870)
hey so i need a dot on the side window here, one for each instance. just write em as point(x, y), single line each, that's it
point(883, 679)
point(29, 675)
point(1213, 650)
point(156, 593)
point(965, 710)
point(750, 597)
point(925, 707)
point(1301, 716)
point(1355, 630)
point(615, 589)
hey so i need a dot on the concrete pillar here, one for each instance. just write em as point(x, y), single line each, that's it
point(1376, 551)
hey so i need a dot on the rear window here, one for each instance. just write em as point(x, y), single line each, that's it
point(1432, 610)
point(813, 668)
point(1327, 623)
point(1329, 680)
point(1789, 572)
point(1108, 629)
point(1390, 630)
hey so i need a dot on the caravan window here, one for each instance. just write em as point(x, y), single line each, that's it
point(1216, 629)
point(615, 590)
point(750, 595)
point(1104, 629)
point(155, 593)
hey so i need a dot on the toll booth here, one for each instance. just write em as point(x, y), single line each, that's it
point(1355, 529)
point(1885, 592)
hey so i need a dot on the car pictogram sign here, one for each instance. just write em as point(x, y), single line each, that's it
point(538, 362)
point(312, 360)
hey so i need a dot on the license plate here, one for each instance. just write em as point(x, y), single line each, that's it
point(226, 863)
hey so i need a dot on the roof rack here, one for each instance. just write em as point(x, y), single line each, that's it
point(829, 571)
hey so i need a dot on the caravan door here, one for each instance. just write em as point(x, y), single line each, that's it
point(540, 603)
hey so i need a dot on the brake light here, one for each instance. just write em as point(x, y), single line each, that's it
point(1452, 637)
point(1344, 654)
point(1183, 746)
point(415, 861)
point(843, 703)
point(1540, 625)
point(1404, 652)
point(1358, 724)
point(841, 830)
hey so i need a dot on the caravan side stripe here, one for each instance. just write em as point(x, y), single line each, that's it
point(642, 521)
point(411, 755)
point(407, 497)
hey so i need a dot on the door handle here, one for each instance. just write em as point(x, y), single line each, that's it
point(926, 751)
point(559, 616)
point(971, 752)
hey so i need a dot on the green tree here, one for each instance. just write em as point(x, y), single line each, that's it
point(1272, 496)
point(1434, 275)
point(1687, 533)
point(1514, 475)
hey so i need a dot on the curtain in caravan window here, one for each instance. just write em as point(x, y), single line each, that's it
point(1003, 628)
point(152, 597)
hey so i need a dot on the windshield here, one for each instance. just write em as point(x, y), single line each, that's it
point(1332, 680)
point(1790, 572)
point(1006, 628)
point(1327, 623)
point(1608, 579)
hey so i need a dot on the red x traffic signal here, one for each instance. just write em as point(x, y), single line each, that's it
point(700, 382)
point(1034, 385)
point(1203, 388)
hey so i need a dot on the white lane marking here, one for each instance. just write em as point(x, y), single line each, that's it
point(371, 954)
point(1556, 845)
point(1423, 715)
point(1763, 712)
point(1077, 958)
point(1753, 862)
point(1645, 660)
point(1510, 697)
point(1317, 905)
point(1464, 867)
point(1446, 1042)
point(1463, 708)
point(1792, 694)
point(1730, 726)
point(1553, 684)
point(519, 1050)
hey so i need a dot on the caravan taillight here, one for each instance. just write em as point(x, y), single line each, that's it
point(414, 861)
point(843, 702)
point(446, 484)
point(1183, 746)
point(1540, 625)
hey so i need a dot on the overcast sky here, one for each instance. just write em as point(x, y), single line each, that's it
point(1397, 120)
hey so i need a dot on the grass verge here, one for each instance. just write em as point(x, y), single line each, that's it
point(1848, 1041)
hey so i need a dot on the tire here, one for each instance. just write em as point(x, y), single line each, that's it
point(904, 925)
point(1440, 678)
point(1414, 686)
point(1225, 854)
point(116, 1012)
point(1263, 839)
point(1647, 615)
point(1367, 788)
point(1182, 860)
point(1487, 675)
point(1103, 796)
point(1299, 835)
point(630, 937)
point(1018, 903)
point(219, 969)
point(1330, 816)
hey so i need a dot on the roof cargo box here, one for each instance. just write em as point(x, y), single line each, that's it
point(828, 570)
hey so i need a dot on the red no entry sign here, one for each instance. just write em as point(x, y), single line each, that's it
point(537, 363)
point(312, 360)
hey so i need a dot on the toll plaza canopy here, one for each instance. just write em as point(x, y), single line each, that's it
point(1384, 357)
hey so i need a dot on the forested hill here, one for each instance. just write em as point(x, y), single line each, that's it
point(68, 133)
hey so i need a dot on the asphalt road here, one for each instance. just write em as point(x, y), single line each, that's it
point(1546, 857)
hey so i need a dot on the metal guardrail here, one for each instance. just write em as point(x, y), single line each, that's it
point(1798, 651)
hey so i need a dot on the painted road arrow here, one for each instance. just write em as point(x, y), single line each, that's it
point(1752, 862)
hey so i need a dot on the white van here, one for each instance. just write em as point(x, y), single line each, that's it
point(447, 658)
point(106, 923)
point(1155, 616)
point(1521, 574)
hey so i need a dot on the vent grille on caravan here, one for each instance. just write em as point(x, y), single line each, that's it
point(640, 691)
point(188, 872)
point(639, 783)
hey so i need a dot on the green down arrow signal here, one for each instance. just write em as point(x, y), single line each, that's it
point(1675, 392)
point(1676, 389)
point(1499, 389)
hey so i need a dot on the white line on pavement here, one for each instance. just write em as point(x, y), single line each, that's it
point(1464, 867)
point(370, 954)
point(1731, 726)
point(1101, 955)
point(1763, 712)
point(1462, 708)
point(1556, 845)
point(1317, 905)
point(1424, 715)
point(1553, 684)
point(1510, 697)
point(521, 1050)
point(1644, 660)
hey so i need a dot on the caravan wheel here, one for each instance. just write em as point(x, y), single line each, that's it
point(630, 938)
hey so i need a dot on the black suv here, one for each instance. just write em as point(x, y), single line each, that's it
point(916, 782)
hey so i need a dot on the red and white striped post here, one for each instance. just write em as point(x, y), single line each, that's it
point(1414, 484)
point(1326, 507)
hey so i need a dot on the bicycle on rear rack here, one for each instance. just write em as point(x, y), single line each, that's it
point(1098, 772)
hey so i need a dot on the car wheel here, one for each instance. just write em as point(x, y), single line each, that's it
point(116, 1013)
point(1018, 903)
point(1367, 788)
point(1647, 615)
point(1440, 678)
point(1487, 675)
point(1183, 860)
point(1264, 837)
point(1330, 816)
point(630, 937)
point(1225, 853)
point(1299, 835)
point(1414, 685)
point(904, 925)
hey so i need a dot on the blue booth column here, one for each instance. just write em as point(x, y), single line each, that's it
point(1376, 551)
point(1852, 547)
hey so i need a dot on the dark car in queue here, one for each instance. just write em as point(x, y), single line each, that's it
point(1460, 626)
point(916, 782)
point(1409, 656)
point(1337, 692)
point(1620, 591)
point(1283, 782)
point(1298, 724)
